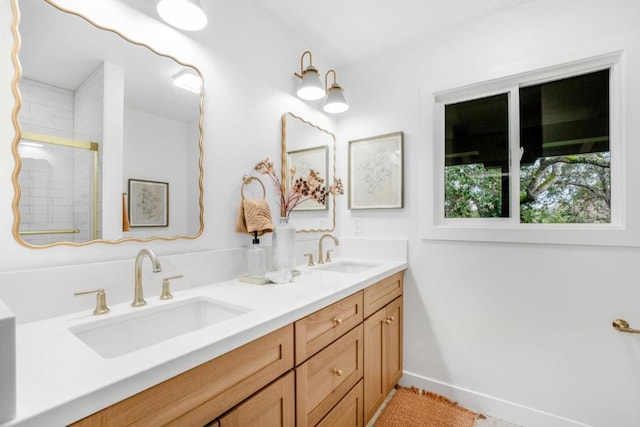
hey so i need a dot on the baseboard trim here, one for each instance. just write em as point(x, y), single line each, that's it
point(489, 405)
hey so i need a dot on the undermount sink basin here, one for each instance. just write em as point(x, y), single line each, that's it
point(118, 335)
point(345, 266)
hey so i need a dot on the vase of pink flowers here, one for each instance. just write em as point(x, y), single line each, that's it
point(291, 193)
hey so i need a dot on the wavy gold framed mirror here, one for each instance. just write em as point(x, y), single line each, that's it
point(93, 110)
point(300, 135)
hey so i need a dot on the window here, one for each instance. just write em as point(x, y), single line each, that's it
point(533, 152)
point(477, 158)
point(564, 153)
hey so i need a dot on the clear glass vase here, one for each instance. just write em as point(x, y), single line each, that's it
point(283, 245)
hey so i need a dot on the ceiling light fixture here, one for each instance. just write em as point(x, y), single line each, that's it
point(310, 87)
point(183, 14)
point(188, 79)
point(335, 102)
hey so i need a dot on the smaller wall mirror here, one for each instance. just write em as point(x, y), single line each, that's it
point(307, 146)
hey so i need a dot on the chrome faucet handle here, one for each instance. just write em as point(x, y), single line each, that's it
point(101, 300)
point(328, 257)
point(166, 291)
point(310, 263)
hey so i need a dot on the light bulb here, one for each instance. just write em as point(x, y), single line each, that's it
point(336, 102)
point(183, 14)
point(310, 87)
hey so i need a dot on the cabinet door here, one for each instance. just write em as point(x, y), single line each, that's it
point(274, 406)
point(394, 344)
point(374, 366)
point(382, 355)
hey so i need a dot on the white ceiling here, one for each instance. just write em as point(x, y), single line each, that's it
point(346, 32)
point(342, 32)
point(62, 50)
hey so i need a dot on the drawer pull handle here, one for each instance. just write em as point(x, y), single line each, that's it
point(337, 372)
point(337, 321)
point(389, 319)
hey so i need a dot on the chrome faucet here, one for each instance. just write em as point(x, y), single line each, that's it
point(138, 297)
point(335, 241)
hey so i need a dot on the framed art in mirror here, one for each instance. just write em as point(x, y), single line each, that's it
point(148, 203)
point(303, 161)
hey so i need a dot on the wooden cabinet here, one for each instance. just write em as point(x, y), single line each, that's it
point(347, 358)
point(205, 392)
point(319, 329)
point(347, 413)
point(274, 406)
point(382, 293)
point(382, 340)
point(323, 380)
point(383, 355)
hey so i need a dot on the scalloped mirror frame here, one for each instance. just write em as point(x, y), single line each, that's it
point(18, 137)
point(284, 171)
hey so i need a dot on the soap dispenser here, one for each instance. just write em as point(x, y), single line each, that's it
point(256, 258)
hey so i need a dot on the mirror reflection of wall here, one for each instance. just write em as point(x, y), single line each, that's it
point(307, 144)
point(97, 110)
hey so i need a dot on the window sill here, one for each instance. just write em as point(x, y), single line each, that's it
point(555, 234)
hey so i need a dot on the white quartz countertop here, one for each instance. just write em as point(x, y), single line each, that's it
point(61, 380)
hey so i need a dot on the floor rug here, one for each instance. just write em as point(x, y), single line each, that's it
point(410, 407)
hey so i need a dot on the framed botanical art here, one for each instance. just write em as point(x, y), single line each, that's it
point(317, 159)
point(376, 172)
point(148, 203)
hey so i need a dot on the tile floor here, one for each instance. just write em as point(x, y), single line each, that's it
point(493, 422)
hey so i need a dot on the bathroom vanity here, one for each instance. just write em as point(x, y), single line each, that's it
point(332, 367)
point(325, 349)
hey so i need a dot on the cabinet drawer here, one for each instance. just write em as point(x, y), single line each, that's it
point(349, 412)
point(380, 294)
point(316, 331)
point(203, 393)
point(272, 406)
point(325, 378)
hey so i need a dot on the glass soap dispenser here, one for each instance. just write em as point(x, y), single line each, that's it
point(256, 259)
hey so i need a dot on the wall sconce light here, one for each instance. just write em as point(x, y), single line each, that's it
point(335, 102)
point(188, 79)
point(183, 14)
point(310, 87)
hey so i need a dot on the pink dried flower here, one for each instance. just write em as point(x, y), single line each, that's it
point(311, 187)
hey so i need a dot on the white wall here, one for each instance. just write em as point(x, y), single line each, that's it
point(247, 60)
point(88, 123)
point(157, 149)
point(519, 331)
